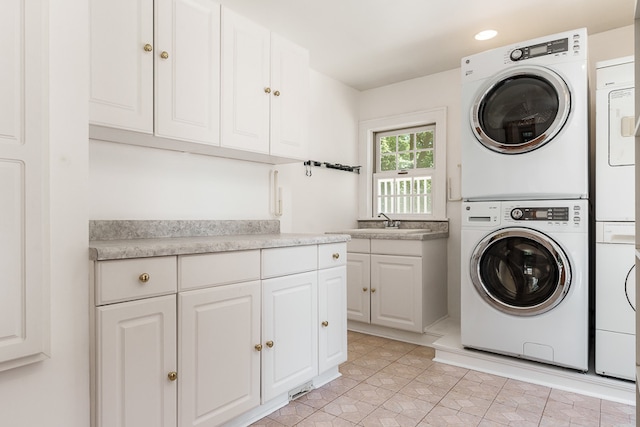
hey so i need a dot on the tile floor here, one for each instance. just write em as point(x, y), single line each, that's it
point(391, 383)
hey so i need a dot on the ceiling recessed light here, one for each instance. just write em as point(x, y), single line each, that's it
point(486, 35)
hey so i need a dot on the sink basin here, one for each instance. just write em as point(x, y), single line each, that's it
point(387, 231)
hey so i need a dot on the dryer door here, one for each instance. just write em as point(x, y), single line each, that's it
point(520, 110)
point(520, 271)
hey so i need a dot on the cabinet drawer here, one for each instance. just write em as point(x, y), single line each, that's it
point(362, 246)
point(198, 271)
point(396, 247)
point(128, 279)
point(332, 255)
point(290, 260)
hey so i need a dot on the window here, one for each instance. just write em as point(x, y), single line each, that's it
point(405, 172)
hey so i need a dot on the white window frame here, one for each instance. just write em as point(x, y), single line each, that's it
point(367, 142)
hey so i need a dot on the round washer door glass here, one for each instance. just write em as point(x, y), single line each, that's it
point(521, 110)
point(520, 271)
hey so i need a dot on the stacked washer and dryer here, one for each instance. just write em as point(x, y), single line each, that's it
point(525, 210)
point(615, 216)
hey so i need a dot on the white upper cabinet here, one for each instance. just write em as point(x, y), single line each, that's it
point(265, 90)
point(184, 53)
point(290, 100)
point(187, 70)
point(121, 64)
point(24, 310)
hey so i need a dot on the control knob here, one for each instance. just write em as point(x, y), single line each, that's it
point(517, 213)
point(516, 54)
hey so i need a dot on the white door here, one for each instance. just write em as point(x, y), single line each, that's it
point(396, 292)
point(358, 287)
point(219, 364)
point(332, 312)
point(289, 332)
point(24, 326)
point(187, 70)
point(135, 353)
point(245, 87)
point(121, 64)
point(289, 99)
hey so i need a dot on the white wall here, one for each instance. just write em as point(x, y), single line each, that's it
point(443, 89)
point(55, 392)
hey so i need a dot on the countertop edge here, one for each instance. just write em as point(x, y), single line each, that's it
point(102, 250)
point(432, 235)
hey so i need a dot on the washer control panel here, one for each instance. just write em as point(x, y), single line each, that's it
point(540, 214)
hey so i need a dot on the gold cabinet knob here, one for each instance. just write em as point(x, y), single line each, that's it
point(276, 93)
point(325, 323)
point(365, 289)
point(144, 277)
point(336, 255)
point(269, 344)
point(267, 90)
point(173, 375)
point(148, 47)
point(373, 290)
point(164, 54)
point(258, 347)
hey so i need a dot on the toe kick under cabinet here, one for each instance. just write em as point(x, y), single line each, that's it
point(399, 284)
point(217, 338)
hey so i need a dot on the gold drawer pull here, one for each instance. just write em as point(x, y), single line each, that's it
point(258, 347)
point(144, 277)
point(336, 255)
point(276, 93)
point(325, 323)
point(365, 289)
point(173, 375)
point(267, 90)
point(269, 344)
point(164, 54)
point(373, 290)
point(148, 47)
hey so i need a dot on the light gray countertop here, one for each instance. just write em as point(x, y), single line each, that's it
point(140, 248)
point(390, 234)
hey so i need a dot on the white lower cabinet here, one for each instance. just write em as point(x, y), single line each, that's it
point(399, 284)
point(219, 365)
point(289, 331)
point(226, 342)
point(136, 363)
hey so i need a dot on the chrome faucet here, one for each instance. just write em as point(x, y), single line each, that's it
point(389, 223)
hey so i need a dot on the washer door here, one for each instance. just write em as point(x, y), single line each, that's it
point(630, 287)
point(521, 110)
point(520, 271)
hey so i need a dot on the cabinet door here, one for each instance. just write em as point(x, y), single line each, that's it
point(135, 351)
point(396, 292)
point(358, 287)
point(245, 86)
point(332, 309)
point(121, 64)
point(187, 70)
point(289, 99)
point(219, 364)
point(24, 327)
point(289, 332)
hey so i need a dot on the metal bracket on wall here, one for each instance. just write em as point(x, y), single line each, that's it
point(338, 166)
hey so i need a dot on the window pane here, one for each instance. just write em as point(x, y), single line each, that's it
point(388, 162)
point(405, 161)
point(422, 200)
point(424, 139)
point(425, 159)
point(388, 144)
point(405, 142)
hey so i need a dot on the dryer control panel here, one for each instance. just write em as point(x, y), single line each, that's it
point(540, 49)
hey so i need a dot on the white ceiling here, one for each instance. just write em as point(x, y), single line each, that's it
point(372, 43)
